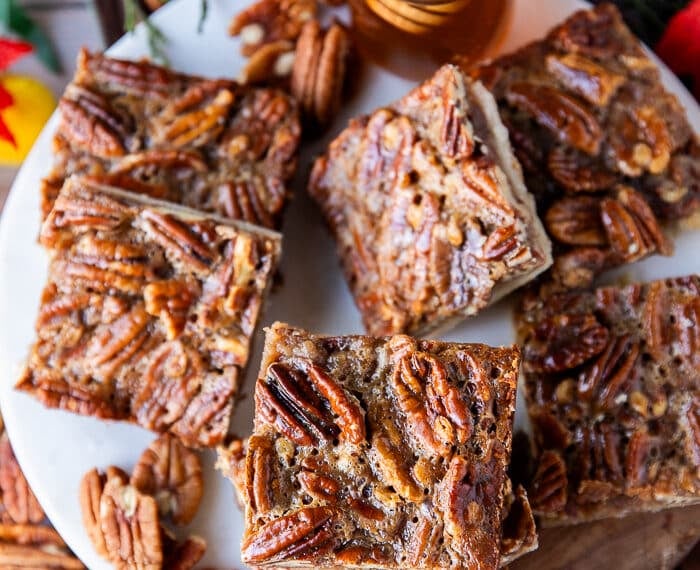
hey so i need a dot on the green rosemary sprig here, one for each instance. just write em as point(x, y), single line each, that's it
point(134, 15)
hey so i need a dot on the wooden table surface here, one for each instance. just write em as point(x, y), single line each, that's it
point(659, 541)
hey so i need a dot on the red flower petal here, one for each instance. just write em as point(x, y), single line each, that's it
point(12, 50)
point(6, 99)
point(680, 45)
point(6, 134)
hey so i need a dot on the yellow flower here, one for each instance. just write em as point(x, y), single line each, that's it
point(32, 105)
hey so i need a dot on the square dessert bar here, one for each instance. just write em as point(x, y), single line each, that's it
point(378, 452)
point(613, 389)
point(148, 311)
point(428, 207)
point(209, 144)
point(607, 152)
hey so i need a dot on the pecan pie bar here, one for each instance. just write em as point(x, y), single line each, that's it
point(428, 207)
point(209, 144)
point(606, 150)
point(148, 311)
point(613, 388)
point(378, 452)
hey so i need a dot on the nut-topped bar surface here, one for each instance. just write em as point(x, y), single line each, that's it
point(613, 388)
point(383, 452)
point(428, 207)
point(148, 311)
point(210, 144)
point(606, 150)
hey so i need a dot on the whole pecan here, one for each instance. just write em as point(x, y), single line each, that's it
point(171, 473)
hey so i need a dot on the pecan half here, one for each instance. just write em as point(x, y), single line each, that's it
point(293, 402)
point(631, 227)
point(593, 33)
point(568, 119)
point(171, 473)
point(89, 122)
point(576, 221)
point(91, 489)
point(565, 341)
point(271, 61)
point(578, 172)
point(259, 471)
point(129, 524)
point(268, 21)
point(319, 69)
point(290, 535)
point(179, 240)
point(578, 268)
point(170, 300)
point(196, 118)
point(638, 448)
point(640, 141)
point(584, 77)
point(610, 372)
point(424, 394)
point(17, 498)
point(599, 460)
point(548, 492)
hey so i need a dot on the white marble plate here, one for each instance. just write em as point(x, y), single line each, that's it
point(56, 448)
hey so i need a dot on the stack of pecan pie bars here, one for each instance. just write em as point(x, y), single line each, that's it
point(387, 451)
point(159, 220)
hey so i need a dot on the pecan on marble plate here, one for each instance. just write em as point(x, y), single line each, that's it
point(172, 473)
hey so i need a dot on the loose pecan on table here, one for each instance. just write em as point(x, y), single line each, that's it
point(171, 473)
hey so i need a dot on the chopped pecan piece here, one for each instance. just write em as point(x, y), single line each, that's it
point(419, 448)
point(268, 21)
point(171, 473)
